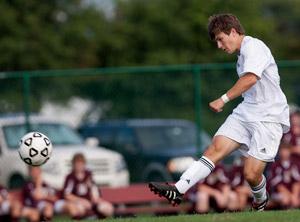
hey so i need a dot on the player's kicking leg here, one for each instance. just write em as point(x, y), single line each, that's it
point(221, 146)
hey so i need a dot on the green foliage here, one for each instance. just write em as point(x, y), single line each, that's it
point(70, 34)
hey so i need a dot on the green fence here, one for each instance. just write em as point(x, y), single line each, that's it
point(197, 84)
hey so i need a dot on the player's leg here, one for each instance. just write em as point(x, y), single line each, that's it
point(243, 193)
point(253, 172)
point(46, 210)
point(221, 146)
point(66, 207)
point(263, 147)
point(104, 208)
point(295, 202)
point(31, 214)
point(15, 210)
point(284, 196)
point(227, 139)
point(229, 198)
point(233, 201)
point(222, 197)
point(204, 193)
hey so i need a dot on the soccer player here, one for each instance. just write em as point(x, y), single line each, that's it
point(284, 179)
point(216, 187)
point(80, 188)
point(255, 126)
point(293, 136)
point(238, 183)
point(37, 194)
point(14, 208)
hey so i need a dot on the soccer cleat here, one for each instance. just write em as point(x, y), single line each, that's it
point(260, 206)
point(167, 191)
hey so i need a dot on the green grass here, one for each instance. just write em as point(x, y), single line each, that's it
point(267, 216)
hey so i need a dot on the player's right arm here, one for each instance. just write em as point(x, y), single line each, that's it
point(242, 85)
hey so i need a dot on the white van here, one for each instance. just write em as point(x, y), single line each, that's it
point(108, 167)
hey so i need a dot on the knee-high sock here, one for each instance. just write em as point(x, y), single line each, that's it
point(259, 192)
point(197, 171)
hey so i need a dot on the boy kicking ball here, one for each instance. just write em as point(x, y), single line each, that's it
point(255, 126)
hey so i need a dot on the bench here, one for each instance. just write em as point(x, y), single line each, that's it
point(132, 200)
point(137, 199)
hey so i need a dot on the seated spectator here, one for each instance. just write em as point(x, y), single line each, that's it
point(284, 179)
point(239, 184)
point(293, 136)
point(13, 208)
point(39, 195)
point(216, 187)
point(80, 188)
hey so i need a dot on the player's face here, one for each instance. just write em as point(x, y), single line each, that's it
point(227, 43)
point(79, 166)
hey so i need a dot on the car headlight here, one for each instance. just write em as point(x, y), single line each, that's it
point(121, 165)
point(179, 164)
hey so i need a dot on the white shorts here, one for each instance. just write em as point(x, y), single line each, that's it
point(41, 205)
point(59, 206)
point(258, 139)
point(5, 207)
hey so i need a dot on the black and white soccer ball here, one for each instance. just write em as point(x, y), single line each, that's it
point(35, 148)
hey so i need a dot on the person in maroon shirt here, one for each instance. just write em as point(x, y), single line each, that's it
point(80, 188)
point(293, 136)
point(284, 179)
point(238, 183)
point(215, 186)
point(11, 207)
point(37, 194)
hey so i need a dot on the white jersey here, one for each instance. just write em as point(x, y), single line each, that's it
point(265, 100)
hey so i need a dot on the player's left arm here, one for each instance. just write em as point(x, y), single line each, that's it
point(242, 85)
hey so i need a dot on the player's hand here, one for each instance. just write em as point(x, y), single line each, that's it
point(217, 105)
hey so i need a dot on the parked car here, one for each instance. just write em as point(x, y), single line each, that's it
point(154, 149)
point(108, 167)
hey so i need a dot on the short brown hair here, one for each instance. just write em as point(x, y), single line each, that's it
point(78, 157)
point(223, 23)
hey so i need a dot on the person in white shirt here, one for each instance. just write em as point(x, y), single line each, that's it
point(255, 126)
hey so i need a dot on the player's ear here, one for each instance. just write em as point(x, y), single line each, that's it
point(233, 32)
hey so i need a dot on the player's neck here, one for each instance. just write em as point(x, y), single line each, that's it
point(239, 42)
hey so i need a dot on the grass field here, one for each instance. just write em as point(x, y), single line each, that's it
point(267, 216)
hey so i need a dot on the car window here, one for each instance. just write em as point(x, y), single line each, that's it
point(105, 136)
point(59, 134)
point(125, 137)
point(166, 137)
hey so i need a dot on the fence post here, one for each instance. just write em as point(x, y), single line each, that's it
point(196, 74)
point(26, 100)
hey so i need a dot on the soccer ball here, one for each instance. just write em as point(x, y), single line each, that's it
point(35, 148)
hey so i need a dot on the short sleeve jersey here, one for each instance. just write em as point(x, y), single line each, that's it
point(284, 173)
point(236, 176)
point(265, 100)
point(83, 187)
point(28, 193)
